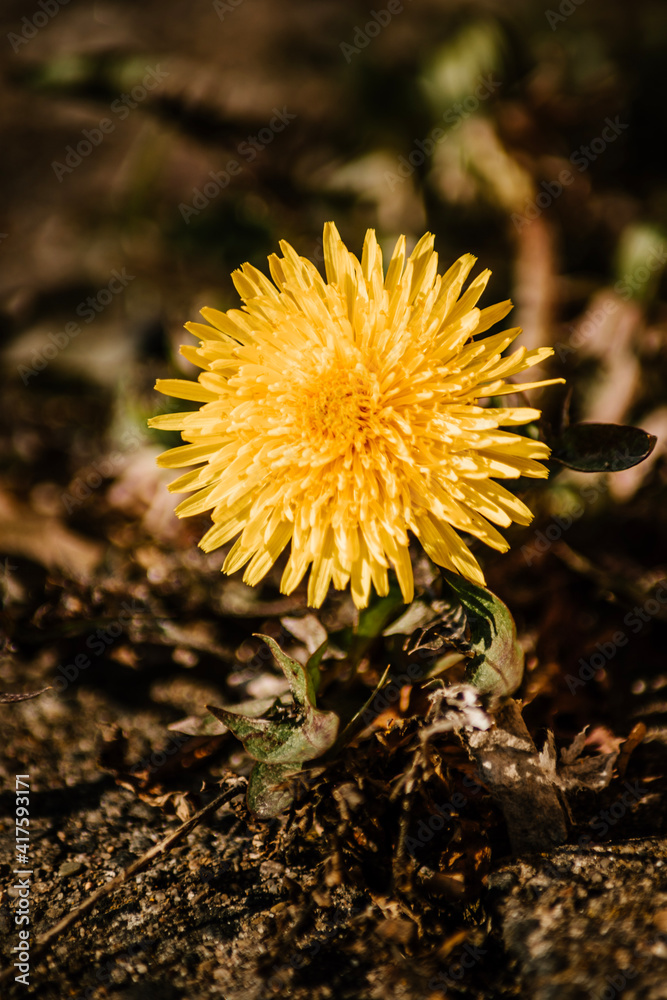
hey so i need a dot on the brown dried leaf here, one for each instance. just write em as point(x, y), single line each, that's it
point(307, 629)
point(522, 782)
point(8, 699)
point(46, 540)
point(574, 772)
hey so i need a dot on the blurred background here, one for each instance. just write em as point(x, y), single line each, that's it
point(148, 150)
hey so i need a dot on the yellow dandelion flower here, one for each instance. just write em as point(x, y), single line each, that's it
point(340, 415)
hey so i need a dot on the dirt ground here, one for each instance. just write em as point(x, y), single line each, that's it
point(395, 871)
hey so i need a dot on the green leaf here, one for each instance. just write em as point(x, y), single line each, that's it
point(278, 740)
point(260, 737)
point(281, 737)
point(602, 447)
point(497, 667)
point(296, 743)
point(313, 665)
point(300, 679)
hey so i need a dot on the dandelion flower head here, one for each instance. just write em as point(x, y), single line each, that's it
point(340, 415)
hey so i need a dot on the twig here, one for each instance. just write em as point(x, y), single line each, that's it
point(402, 867)
point(239, 785)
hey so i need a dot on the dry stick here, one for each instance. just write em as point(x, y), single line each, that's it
point(401, 866)
point(74, 915)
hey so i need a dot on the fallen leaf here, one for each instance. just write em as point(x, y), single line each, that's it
point(46, 540)
point(307, 629)
point(8, 699)
point(572, 772)
point(520, 779)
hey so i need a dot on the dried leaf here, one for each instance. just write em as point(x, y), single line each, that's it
point(308, 629)
point(194, 726)
point(635, 737)
point(8, 699)
point(417, 615)
point(522, 781)
point(433, 626)
point(574, 772)
point(46, 540)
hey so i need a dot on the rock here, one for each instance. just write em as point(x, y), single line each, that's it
point(70, 868)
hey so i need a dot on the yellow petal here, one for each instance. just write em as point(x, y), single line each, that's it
point(339, 415)
point(182, 389)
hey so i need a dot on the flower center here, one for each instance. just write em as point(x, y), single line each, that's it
point(339, 404)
